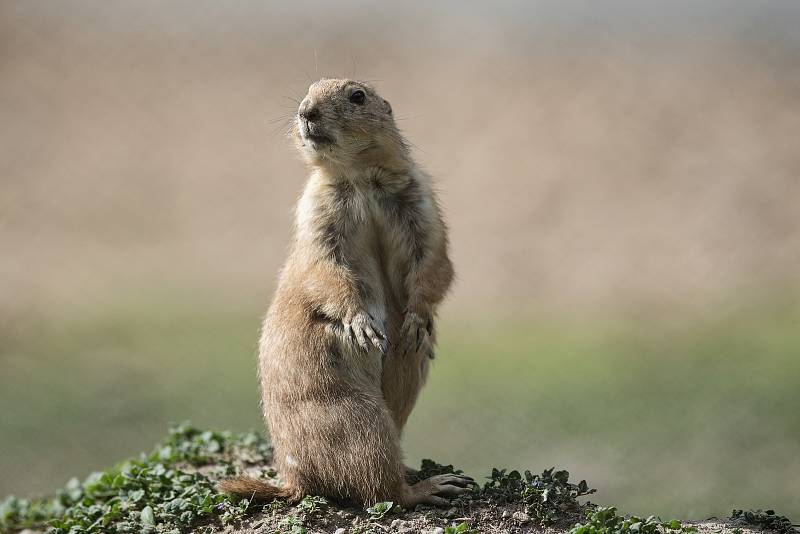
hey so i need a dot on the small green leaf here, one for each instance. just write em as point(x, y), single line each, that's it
point(147, 517)
point(380, 509)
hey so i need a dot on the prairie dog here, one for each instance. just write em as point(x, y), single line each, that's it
point(346, 343)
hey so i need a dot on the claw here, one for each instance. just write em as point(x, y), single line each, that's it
point(362, 341)
point(437, 501)
point(450, 478)
point(460, 481)
point(380, 333)
point(439, 487)
point(348, 331)
point(362, 330)
point(450, 490)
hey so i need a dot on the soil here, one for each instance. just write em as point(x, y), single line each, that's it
point(479, 517)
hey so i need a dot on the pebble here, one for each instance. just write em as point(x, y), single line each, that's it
point(340, 531)
point(505, 514)
point(521, 517)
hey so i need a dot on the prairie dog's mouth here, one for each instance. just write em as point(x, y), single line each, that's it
point(313, 133)
point(318, 139)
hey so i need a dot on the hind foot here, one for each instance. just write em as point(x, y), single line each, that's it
point(433, 490)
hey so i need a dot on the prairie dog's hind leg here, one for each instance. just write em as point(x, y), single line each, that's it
point(403, 378)
point(348, 448)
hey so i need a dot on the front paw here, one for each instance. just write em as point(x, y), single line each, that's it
point(362, 329)
point(415, 334)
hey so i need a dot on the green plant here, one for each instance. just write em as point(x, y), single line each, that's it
point(604, 520)
point(172, 491)
point(161, 491)
point(380, 509)
point(461, 528)
point(274, 507)
point(311, 504)
point(429, 468)
point(767, 519)
point(547, 497)
point(292, 524)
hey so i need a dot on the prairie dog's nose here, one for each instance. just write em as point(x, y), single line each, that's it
point(309, 110)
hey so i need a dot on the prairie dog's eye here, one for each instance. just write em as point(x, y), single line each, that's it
point(358, 97)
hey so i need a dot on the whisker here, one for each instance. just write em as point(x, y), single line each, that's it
point(282, 118)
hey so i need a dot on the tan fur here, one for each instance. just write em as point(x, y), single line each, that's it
point(256, 489)
point(346, 343)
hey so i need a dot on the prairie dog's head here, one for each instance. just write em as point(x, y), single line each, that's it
point(346, 123)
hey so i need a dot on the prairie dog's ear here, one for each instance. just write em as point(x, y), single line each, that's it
point(388, 106)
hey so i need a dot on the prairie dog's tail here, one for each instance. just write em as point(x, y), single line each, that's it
point(254, 489)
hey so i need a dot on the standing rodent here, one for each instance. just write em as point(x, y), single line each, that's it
point(346, 343)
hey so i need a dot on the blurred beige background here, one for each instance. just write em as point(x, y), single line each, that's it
point(618, 163)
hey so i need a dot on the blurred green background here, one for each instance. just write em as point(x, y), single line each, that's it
point(621, 182)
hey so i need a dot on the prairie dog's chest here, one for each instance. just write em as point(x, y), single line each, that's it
point(356, 222)
point(374, 216)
